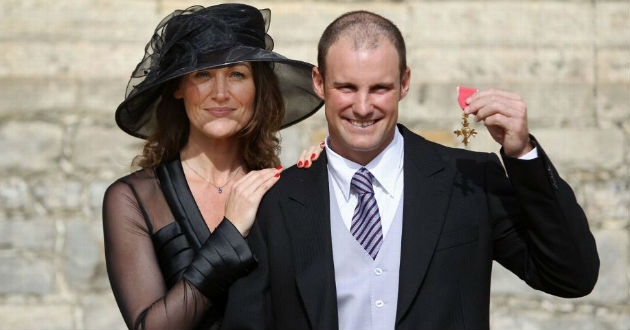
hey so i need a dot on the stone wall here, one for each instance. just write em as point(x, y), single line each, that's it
point(64, 66)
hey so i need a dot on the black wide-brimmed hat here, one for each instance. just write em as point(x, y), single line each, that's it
point(201, 38)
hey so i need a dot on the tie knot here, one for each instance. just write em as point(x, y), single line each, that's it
point(362, 181)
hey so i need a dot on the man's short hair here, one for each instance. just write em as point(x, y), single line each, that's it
point(365, 29)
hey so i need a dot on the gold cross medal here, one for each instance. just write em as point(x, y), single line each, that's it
point(465, 132)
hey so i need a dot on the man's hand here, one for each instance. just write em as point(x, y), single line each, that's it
point(505, 115)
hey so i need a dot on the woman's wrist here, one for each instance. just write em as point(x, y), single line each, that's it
point(243, 230)
point(223, 258)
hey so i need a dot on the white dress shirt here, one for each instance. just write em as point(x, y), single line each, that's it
point(387, 169)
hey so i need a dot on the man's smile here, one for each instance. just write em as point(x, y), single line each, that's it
point(362, 123)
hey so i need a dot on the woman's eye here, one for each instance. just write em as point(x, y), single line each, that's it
point(237, 74)
point(202, 74)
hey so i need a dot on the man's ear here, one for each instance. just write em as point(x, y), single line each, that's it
point(318, 82)
point(405, 83)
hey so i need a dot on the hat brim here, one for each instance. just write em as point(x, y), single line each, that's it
point(136, 114)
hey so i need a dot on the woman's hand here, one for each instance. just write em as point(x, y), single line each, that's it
point(309, 155)
point(245, 197)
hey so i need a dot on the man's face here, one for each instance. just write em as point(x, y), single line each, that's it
point(361, 90)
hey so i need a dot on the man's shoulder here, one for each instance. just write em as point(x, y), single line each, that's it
point(294, 176)
point(294, 180)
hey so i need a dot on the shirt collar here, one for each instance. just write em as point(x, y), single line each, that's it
point(385, 167)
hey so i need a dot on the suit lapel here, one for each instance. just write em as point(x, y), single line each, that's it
point(307, 217)
point(426, 195)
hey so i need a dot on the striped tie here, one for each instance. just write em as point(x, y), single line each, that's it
point(366, 221)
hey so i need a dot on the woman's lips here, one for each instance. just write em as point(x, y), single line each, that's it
point(220, 111)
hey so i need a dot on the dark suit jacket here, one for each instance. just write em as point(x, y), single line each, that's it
point(460, 213)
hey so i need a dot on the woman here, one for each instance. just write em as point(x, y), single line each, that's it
point(209, 96)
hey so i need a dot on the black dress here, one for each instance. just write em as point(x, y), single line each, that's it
point(166, 269)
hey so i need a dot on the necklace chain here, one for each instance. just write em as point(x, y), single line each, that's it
point(219, 188)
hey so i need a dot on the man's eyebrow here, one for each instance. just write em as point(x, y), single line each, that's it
point(342, 84)
point(384, 85)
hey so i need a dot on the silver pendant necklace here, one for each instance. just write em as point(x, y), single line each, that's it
point(219, 188)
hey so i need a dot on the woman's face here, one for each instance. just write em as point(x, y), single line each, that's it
point(219, 102)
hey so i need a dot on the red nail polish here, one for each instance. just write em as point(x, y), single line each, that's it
point(313, 156)
point(306, 163)
point(279, 167)
point(299, 164)
point(277, 175)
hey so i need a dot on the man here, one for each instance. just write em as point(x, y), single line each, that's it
point(390, 231)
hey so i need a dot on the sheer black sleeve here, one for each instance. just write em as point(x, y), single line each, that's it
point(144, 299)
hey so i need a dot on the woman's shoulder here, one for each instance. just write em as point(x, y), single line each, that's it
point(141, 193)
point(139, 177)
point(125, 202)
point(139, 180)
